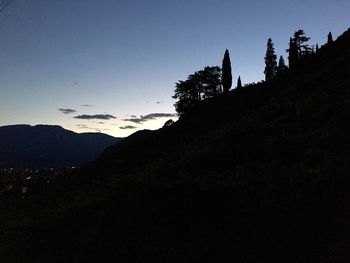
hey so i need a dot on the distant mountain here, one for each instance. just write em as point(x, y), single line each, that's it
point(44, 146)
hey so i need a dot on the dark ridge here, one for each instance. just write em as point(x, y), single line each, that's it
point(46, 146)
point(258, 175)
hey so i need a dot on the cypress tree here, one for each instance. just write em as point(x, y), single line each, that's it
point(330, 38)
point(239, 83)
point(226, 72)
point(270, 61)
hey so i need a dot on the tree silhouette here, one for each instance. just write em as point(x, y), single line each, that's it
point(293, 53)
point(317, 49)
point(187, 94)
point(210, 79)
point(168, 123)
point(281, 65)
point(239, 83)
point(200, 85)
point(226, 72)
point(330, 38)
point(298, 47)
point(270, 61)
point(300, 41)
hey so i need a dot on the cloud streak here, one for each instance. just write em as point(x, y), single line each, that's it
point(151, 116)
point(128, 127)
point(85, 127)
point(67, 111)
point(5, 4)
point(95, 117)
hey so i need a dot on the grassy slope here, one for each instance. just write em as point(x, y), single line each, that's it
point(259, 174)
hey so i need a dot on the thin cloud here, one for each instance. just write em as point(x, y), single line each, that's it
point(151, 116)
point(86, 105)
point(128, 127)
point(85, 127)
point(95, 117)
point(67, 111)
point(159, 102)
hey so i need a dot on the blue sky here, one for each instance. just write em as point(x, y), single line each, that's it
point(122, 58)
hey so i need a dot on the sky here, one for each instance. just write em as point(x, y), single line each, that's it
point(110, 66)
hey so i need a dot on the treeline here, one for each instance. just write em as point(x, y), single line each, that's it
point(214, 80)
point(204, 84)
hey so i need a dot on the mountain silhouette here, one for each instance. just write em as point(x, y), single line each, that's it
point(260, 174)
point(45, 146)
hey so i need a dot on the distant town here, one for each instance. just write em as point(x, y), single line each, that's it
point(22, 181)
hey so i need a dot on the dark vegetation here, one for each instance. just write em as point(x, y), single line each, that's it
point(201, 85)
point(213, 81)
point(45, 146)
point(226, 72)
point(270, 61)
point(260, 174)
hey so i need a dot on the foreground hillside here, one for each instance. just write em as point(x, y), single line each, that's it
point(260, 175)
point(45, 146)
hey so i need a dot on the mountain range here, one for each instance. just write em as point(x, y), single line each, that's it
point(46, 146)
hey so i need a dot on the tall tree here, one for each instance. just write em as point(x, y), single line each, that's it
point(226, 72)
point(300, 40)
point(270, 61)
point(298, 47)
point(281, 65)
point(239, 83)
point(293, 54)
point(330, 38)
point(317, 49)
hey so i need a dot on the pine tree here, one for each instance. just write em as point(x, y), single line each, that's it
point(226, 72)
point(281, 65)
point(300, 41)
point(330, 38)
point(239, 83)
point(270, 61)
point(298, 48)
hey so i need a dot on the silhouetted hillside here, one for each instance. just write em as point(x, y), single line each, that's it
point(273, 115)
point(258, 175)
point(44, 146)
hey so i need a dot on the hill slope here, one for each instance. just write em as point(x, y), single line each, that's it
point(25, 146)
point(260, 175)
point(302, 112)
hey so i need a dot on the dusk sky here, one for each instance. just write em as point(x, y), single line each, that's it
point(98, 65)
